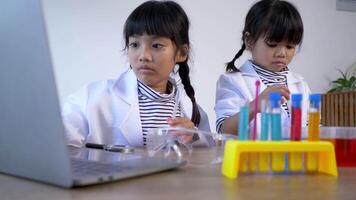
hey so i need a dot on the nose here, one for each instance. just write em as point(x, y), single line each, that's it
point(145, 54)
point(281, 51)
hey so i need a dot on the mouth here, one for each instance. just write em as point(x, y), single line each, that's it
point(145, 69)
point(279, 64)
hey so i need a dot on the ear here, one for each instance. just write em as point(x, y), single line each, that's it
point(248, 40)
point(182, 53)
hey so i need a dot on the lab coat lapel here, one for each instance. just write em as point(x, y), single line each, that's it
point(130, 122)
point(250, 76)
point(294, 82)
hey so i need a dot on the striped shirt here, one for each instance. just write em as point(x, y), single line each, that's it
point(155, 107)
point(270, 78)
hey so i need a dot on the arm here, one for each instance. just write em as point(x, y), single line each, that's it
point(202, 139)
point(74, 118)
point(230, 124)
point(232, 94)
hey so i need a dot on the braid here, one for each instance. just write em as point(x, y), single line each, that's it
point(230, 66)
point(184, 75)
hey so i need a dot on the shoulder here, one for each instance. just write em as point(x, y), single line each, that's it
point(246, 72)
point(124, 79)
point(230, 77)
point(98, 88)
point(101, 85)
point(95, 88)
point(296, 76)
point(299, 81)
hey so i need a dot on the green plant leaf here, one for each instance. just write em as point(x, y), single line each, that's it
point(343, 83)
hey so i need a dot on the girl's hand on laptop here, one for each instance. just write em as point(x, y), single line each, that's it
point(183, 122)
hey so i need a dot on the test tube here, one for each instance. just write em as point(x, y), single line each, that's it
point(254, 157)
point(243, 122)
point(313, 130)
point(243, 131)
point(296, 159)
point(265, 120)
point(263, 158)
point(278, 163)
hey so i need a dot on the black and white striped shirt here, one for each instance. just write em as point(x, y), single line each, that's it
point(270, 78)
point(155, 107)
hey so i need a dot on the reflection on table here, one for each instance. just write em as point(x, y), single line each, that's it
point(192, 181)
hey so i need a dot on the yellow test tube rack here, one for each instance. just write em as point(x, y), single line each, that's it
point(236, 151)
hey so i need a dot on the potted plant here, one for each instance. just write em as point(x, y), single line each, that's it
point(345, 83)
point(339, 103)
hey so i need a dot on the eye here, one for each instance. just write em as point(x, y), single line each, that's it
point(133, 45)
point(290, 46)
point(157, 45)
point(271, 44)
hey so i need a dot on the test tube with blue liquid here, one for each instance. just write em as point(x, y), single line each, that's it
point(265, 120)
point(254, 157)
point(296, 159)
point(278, 162)
point(243, 122)
point(243, 132)
point(263, 159)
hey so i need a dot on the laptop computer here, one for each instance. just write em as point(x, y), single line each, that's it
point(32, 141)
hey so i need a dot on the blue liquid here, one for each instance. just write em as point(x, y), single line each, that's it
point(276, 128)
point(243, 123)
point(265, 124)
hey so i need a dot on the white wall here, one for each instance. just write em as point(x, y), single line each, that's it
point(86, 41)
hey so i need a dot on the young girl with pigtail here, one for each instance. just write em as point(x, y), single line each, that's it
point(149, 94)
point(273, 31)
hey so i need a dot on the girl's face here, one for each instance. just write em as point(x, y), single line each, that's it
point(273, 56)
point(153, 58)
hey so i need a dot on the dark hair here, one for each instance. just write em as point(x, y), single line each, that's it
point(165, 19)
point(275, 20)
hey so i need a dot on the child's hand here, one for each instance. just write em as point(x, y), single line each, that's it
point(185, 123)
point(282, 89)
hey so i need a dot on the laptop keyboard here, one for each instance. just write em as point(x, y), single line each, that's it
point(85, 168)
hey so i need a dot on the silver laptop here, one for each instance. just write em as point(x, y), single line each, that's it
point(32, 141)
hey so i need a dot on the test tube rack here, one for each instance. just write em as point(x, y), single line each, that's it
point(234, 150)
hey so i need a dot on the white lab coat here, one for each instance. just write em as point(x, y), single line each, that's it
point(235, 89)
point(107, 112)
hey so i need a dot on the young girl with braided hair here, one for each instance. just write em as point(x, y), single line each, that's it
point(155, 91)
point(273, 31)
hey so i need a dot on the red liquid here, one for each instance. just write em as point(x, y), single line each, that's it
point(345, 150)
point(296, 127)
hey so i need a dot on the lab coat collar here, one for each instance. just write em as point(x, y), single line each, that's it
point(126, 86)
point(293, 78)
point(248, 70)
